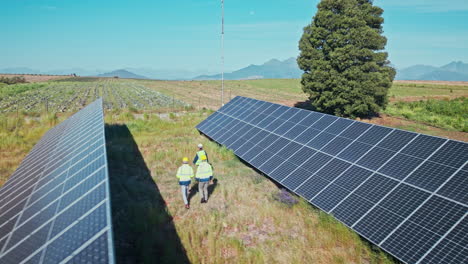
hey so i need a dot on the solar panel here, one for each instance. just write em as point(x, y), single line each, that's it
point(405, 192)
point(55, 208)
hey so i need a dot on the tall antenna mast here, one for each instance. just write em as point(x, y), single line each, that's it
point(222, 52)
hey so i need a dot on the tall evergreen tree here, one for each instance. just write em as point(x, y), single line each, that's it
point(346, 71)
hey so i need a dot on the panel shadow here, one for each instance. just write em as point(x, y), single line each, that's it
point(144, 231)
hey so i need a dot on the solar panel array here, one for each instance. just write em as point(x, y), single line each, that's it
point(55, 208)
point(405, 192)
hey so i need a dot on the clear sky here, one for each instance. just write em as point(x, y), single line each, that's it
point(183, 34)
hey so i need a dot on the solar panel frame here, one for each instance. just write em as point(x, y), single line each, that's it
point(62, 143)
point(374, 140)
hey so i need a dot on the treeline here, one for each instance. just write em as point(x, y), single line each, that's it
point(13, 80)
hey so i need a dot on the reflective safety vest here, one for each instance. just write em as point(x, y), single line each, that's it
point(204, 172)
point(185, 173)
point(199, 155)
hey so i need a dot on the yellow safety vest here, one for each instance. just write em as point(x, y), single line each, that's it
point(204, 171)
point(185, 173)
point(199, 154)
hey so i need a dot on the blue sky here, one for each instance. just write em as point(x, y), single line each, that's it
point(183, 34)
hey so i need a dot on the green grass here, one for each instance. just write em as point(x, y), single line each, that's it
point(18, 135)
point(16, 89)
point(422, 89)
point(447, 114)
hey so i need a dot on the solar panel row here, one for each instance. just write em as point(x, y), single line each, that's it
point(406, 192)
point(55, 208)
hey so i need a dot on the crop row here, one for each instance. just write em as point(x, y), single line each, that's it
point(71, 96)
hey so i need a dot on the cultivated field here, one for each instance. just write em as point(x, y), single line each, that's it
point(289, 91)
point(32, 78)
point(248, 219)
point(444, 123)
point(73, 94)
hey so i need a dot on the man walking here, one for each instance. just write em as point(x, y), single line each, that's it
point(197, 159)
point(204, 172)
point(200, 152)
point(185, 175)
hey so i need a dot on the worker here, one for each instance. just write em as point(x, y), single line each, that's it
point(185, 175)
point(197, 159)
point(204, 173)
point(199, 153)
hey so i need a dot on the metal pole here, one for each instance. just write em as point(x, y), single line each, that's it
point(222, 52)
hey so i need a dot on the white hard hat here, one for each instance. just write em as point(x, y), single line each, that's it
point(200, 145)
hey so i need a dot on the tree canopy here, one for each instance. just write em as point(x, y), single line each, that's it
point(346, 71)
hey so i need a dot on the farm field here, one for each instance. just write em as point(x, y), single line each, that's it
point(32, 78)
point(417, 90)
point(62, 96)
point(288, 91)
point(248, 217)
point(205, 94)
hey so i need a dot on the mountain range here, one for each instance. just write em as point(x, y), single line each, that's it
point(122, 74)
point(147, 73)
point(271, 69)
point(454, 71)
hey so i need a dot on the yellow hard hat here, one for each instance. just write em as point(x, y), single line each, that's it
point(185, 159)
point(203, 157)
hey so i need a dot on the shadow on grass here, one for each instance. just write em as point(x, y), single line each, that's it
point(194, 189)
point(144, 231)
point(212, 187)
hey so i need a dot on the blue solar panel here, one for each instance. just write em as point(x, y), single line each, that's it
point(404, 191)
point(57, 202)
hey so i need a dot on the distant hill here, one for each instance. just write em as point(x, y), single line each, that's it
point(454, 71)
point(444, 76)
point(456, 66)
point(77, 71)
point(168, 74)
point(122, 74)
point(19, 70)
point(414, 72)
point(272, 69)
